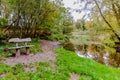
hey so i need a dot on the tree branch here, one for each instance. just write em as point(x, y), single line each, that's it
point(110, 26)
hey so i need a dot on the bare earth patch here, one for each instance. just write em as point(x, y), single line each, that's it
point(47, 54)
point(2, 75)
point(74, 76)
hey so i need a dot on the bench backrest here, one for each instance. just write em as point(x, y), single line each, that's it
point(25, 40)
point(16, 40)
point(13, 40)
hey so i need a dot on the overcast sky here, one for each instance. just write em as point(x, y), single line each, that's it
point(70, 3)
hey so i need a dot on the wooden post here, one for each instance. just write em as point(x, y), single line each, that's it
point(16, 44)
point(17, 52)
point(27, 50)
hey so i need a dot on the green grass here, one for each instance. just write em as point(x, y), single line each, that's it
point(18, 72)
point(36, 46)
point(67, 62)
point(87, 68)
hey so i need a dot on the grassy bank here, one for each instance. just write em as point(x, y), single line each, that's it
point(86, 68)
point(67, 62)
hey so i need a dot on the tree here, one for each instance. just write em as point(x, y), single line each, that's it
point(34, 18)
point(106, 21)
point(106, 10)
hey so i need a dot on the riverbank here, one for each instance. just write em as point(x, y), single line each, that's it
point(66, 65)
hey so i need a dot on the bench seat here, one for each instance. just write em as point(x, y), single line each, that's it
point(14, 47)
point(20, 47)
point(26, 46)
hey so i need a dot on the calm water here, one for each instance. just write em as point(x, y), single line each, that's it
point(98, 53)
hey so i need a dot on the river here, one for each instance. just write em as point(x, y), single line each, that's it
point(96, 52)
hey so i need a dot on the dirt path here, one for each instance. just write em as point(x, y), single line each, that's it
point(47, 55)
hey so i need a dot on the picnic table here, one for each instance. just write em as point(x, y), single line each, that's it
point(18, 47)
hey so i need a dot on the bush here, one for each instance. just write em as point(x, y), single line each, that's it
point(68, 46)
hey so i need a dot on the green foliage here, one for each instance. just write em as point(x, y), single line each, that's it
point(84, 77)
point(1, 33)
point(109, 42)
point(111, 50)
point(4, 51)
point(84, 39)
point(31, 16)
point(68, 46)
point(109, 45)
point(5, 68)
point(63, 29)
point(17, 69)
point(36, 46)
point(80, 24)
point(59, 37)
point(80, 39)
point(67, 30)
point(3, 22)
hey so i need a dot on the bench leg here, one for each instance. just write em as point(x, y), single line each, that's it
point(27, 50)
point(18, 52)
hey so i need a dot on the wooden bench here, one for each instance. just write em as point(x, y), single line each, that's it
point(18, 47)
